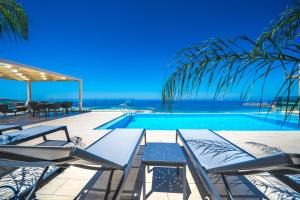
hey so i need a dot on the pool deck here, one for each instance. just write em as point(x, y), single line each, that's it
point(71, 181)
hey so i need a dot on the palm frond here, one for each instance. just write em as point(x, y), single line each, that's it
point(284, 29)
point(222, 65)
point(13, 20)
point(226, 63)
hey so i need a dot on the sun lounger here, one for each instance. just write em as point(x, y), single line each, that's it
point(221, 164)
point(114, 151)
point(32, 133)
point(14, 181)
point(8, 127)
point(281, 163)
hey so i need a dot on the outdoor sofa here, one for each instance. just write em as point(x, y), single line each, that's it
point(113, 152)
point(5, 109)
point(12, 109)
point(229, 172)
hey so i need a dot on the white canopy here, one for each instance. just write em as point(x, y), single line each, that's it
point(15, 71)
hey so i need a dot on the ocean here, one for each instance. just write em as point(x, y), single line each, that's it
point(184, 106)
point(178, 106)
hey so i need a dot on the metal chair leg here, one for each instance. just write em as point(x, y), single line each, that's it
point(184, 183)
point(108, 188)
point(38, 182)
point(227, 187)
point(144, 184)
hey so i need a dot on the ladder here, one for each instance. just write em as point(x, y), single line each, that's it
point(126, 109)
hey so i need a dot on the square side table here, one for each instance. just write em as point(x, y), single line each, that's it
point(165, 154)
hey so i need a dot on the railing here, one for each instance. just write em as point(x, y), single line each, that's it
point(126, 109)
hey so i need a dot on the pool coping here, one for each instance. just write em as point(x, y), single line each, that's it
point(97, 128)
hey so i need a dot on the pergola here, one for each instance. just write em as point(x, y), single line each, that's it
point(15, 71)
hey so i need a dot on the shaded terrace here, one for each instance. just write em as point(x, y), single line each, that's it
point(10, 70)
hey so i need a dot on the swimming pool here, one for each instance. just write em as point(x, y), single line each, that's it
point(224, 121)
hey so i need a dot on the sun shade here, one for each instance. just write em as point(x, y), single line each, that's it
point(14, 71)
point(19, 72)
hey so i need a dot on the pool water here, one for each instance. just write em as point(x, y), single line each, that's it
point(251, 122)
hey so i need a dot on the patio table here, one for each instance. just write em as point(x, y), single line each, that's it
point(165, 154)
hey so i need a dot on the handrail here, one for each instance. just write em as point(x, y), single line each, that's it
point(126, 109)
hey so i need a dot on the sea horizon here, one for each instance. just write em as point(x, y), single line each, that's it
point(155, 105)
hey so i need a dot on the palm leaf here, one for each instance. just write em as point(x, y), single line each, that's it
point(240, 61)
point(13, 20)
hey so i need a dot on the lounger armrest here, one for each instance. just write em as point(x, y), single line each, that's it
point(275, 163)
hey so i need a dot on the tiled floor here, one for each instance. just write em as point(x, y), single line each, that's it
point(70, 182)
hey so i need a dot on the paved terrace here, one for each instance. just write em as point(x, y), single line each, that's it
point(70, 182)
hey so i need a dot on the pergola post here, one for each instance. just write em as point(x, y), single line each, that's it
point(29, 94)
point(80, 95)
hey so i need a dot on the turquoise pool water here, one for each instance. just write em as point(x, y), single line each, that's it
point(216, 122)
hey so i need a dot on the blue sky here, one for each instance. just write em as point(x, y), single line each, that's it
point(120, 48)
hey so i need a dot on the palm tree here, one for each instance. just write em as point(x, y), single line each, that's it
point(13, 20)
point(240, 61)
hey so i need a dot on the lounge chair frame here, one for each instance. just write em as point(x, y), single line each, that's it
point(44, 176)
point(210, 188)
point(74, 154)
point(10, 127)
point(119, 189)
point(206, 180)
point(41, 134)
